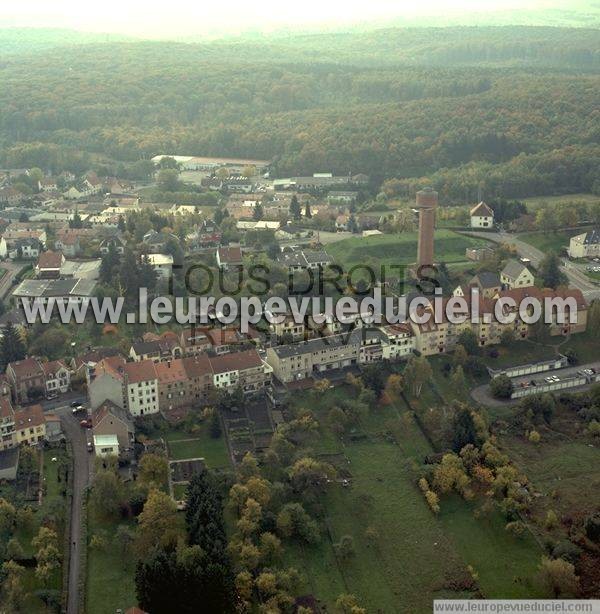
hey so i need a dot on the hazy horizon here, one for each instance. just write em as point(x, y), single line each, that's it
point(133, 18)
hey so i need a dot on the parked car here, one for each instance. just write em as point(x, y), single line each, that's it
point(86, 424)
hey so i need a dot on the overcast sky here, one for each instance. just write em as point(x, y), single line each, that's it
point(188, 17)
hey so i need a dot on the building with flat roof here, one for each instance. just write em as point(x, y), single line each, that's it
point(65, 290)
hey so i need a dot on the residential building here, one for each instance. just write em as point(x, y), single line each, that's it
point(400, 341)
point(114, 241)
point(106, 445)
point(49, 264)
point(27, 379)
point(243, 369)
point(162, 265)
point(110, 419)
point(30, 425)
point(482, 216)
point(229, 257)
point(488, 283)
point(8, 437)
point(301, 260)
point(585, 245)
point(141, 387)
point(57, 376)
point(516, 275)
point(298, 361)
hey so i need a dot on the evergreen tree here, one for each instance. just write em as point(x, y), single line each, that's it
point(550, 273)
point(110, 261)
point(307, 211)
point(11, 346)
point(295, 211)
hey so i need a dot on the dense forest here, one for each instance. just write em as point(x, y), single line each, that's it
point(512, 111)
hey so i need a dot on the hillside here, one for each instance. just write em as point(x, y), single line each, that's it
point(511, 108)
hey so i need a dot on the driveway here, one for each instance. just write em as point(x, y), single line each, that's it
point(577, 279)
point(81, 477)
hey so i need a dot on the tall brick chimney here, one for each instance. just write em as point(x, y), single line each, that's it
point(427, 200)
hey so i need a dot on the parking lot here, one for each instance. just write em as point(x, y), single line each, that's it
point(559, 379)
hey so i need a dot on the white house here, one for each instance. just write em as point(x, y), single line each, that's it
point(516, 275)
point(141, 387)
point(400, 341)
point(482, 216)
point(586, 245)
point(106, 445)
point(58, 377)
point(162, 265)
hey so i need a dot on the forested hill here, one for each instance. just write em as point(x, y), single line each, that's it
point(36, 40)
point(512, 109)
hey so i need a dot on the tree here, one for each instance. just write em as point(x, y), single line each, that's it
point(108, 493)
point(457, 379)
point(109, 265)
point(157, 523)
point(14, 550)
point(13, 592)
point(464, 428)
point(559, 577)
point(168, 179)
point(394, 386)
point(307, 211)
point(309, 476)
point(295, 210)
point(11, 346)
point(593, 322)
point(460, 355)
point(7, 517)
point(416, 373)
point(501, 387)
point(348, 604)
point(215, 425)
point(550, 273)
point(468, 339)
point(154, 470)
point(293, 521)
point(258, 212)
point(47, 554)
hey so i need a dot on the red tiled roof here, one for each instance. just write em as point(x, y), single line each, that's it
point(143, 371)
point(171, 371)
point(197, 366)
point(236, 361)
point(29, 416)
point(6, 408)
point(27, 368)
point(50, 260)
point(230, 255)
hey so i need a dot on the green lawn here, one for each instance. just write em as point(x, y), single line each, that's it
point(110, 578)
point(400, 249)
point(550, 241)
point(201, 445)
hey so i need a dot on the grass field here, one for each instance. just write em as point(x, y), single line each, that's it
point(110, 577)
point(535, 202)
point(383, 495)
point(200, 445)
point(550, 241)
point(400, 249)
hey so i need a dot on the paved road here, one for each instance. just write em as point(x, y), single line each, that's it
point(12, 268)
point(81, 475)
point(577, 278)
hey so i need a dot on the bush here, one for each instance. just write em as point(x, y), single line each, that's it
point(501, 387)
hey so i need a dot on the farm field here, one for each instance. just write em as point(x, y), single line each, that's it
point(400, 249)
